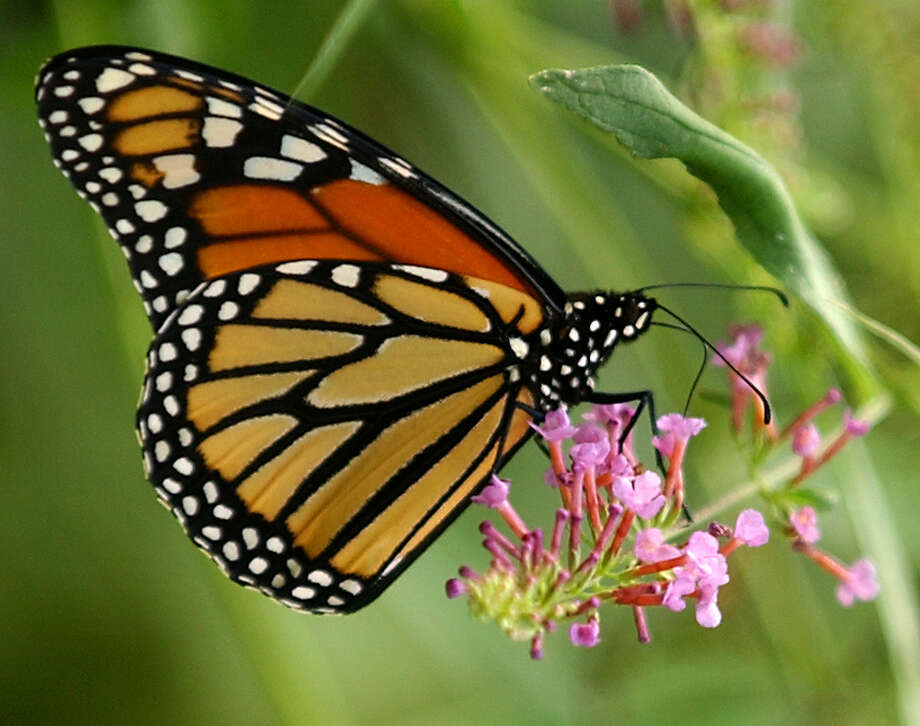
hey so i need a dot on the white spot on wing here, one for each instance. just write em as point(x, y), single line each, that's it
point(192, 338)
point(360, 172)
point(111, 174)
point(265, 167)
point(141, 69)
point(301, 592)
point(220, 107)
point(300, 267)
point(427, 273)
point(231, 551)
point(191, 315)
point(113, 78)
point(275, 544)
point(330, 135)
point(248, 282)
point(91, 142)
point(519, 347)
point(320, 577)
point(190, 505)
point(174, 237)
point(346, 275)
point(215, 289)
point(294, 147)
point(266, 108)
point(220, 132)
point(189, 76)
point(150, 210)
point(399, 166)
point(228, 310)
point(171, 263)
point(178, 169)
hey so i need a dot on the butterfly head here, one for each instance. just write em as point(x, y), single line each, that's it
point(576, 344)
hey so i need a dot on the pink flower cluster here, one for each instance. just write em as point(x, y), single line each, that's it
point(858, 581)
point(627, 518)
point(534, 581)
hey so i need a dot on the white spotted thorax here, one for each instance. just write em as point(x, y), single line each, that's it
point(564, 355)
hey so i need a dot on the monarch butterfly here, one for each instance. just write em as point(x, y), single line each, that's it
point(344, 351)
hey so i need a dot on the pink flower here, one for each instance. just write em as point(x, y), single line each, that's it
point(707, 611)
point(750, 528)
point(556, 426)
point(641, 494)
point(454, 588)
point(681, 426)
point(743, 349)
point(860, 584)
point(591, 447)
point(853, 426)
point(677, 430)
point(615, 417)
point(585, 635)
point(806, 440)
point(707, 570)
point(677, 590)
point(704, 562)
point(650, 546)
point(805, 523)
point(620, 466)
point(495, 494)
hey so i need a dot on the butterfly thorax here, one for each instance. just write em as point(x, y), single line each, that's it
point(568, 350)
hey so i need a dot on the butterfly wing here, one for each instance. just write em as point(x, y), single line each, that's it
point(315, 424)
point(334, 370)
point(200, 173)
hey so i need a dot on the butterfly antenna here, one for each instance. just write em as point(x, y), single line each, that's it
point(721, 286)
point(699, 372)
point(767, 411)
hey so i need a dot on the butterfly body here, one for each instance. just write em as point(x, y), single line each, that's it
point(344, 351)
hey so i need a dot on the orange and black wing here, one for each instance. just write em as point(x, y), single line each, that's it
point(339, 341)
point(200, 173)
point(315, 424)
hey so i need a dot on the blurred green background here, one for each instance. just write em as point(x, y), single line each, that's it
point(109, 615)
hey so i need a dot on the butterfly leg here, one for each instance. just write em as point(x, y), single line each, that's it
point(641, 399)
point(537, 415)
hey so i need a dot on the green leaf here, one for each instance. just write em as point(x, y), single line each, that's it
point(631, 103)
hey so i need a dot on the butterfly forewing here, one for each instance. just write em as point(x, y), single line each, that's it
point(200, 173)
point(314, 424)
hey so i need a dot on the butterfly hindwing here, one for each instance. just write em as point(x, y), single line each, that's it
point(315, 424)
point(200, 173)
